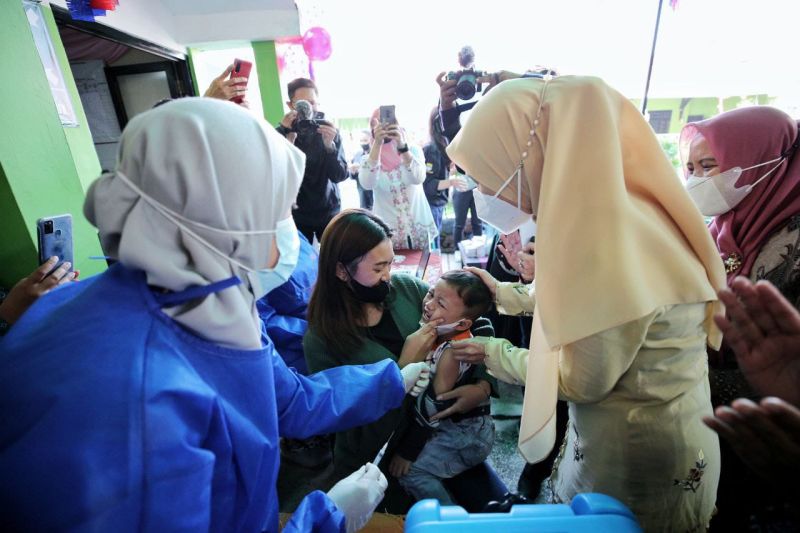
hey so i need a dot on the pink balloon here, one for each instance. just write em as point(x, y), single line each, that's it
point(317, 44)
point(281, 60)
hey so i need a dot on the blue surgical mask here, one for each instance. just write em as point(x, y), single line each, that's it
point(265, 280)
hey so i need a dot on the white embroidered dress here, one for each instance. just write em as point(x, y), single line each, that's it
point(400, 200)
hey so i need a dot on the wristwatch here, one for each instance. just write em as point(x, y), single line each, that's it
point(403, 150)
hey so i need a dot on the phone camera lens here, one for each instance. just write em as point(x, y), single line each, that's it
point(238, 67)
point(48, 226)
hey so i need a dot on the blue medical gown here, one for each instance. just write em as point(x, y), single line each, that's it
point(283, 310)
point(114, 418)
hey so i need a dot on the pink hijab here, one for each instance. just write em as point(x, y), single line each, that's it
point(746, 137)
point(390, 159)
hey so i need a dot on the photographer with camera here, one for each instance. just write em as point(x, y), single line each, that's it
point(318, 200)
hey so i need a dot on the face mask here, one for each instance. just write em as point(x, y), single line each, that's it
point(371, 295)
point(498, 213)
point(288, 243)
point(715, 195)
point(260, 282)
point(447, 329)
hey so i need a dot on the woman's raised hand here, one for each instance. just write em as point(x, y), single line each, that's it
point(394, 131)
point(763, 329)
point(379, 132)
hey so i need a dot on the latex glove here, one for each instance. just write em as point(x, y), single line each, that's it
point(358, 495)
point(416, 377)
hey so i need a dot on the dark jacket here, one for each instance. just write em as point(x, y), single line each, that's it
point(318, 200)
point(436, 169)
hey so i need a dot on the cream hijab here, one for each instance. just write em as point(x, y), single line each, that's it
point(215, 164)
point(617, 234)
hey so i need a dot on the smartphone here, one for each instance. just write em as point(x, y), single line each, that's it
point(241, 69)
point(386, 114)
point(55, 238)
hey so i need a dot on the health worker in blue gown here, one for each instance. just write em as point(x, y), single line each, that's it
point(148, 398)
point(283, 310)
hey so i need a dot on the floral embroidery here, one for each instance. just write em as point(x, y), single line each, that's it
point(405, 226)
point(695, 477)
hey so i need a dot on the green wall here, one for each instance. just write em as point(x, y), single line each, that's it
point(705, 106)
point(44, 167)
point(269, 82)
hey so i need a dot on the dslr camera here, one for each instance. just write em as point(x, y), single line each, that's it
point(307, 121)
point(467, 78)
point(466, 82)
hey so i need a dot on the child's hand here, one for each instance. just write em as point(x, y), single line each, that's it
point(399, 467)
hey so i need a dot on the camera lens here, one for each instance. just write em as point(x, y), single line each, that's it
point(48, 226)
point(238, 67)
point(465, 89)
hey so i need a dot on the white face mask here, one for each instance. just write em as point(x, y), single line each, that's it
point(447, 329)
point(718, 194)
point(262, 280)
point(498, 213)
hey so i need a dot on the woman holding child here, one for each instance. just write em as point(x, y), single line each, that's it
point(625, 291)
point(360, 313)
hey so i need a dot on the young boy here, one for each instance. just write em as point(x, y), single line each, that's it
point(436, 450)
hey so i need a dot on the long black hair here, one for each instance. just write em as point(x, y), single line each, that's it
point(334, 313)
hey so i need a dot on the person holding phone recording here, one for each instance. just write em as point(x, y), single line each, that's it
point(395, 172)
point(228, 86)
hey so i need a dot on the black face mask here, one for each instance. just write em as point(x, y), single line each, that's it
point(365, 147)
point(371, 295)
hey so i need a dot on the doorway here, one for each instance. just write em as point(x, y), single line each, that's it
point(118, 76)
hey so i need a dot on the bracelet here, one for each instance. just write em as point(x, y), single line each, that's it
point(403, 150)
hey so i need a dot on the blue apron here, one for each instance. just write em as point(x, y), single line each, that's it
point(115, 418)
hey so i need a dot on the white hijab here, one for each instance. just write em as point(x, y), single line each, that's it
point(214, 164)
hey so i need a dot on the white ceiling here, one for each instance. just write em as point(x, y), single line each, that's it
point(209, 7)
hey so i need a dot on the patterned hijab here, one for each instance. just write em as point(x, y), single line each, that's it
point(743, 138)
point(617, 234)
point(224, 170)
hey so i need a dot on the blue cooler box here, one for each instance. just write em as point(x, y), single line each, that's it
point(587, 513)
